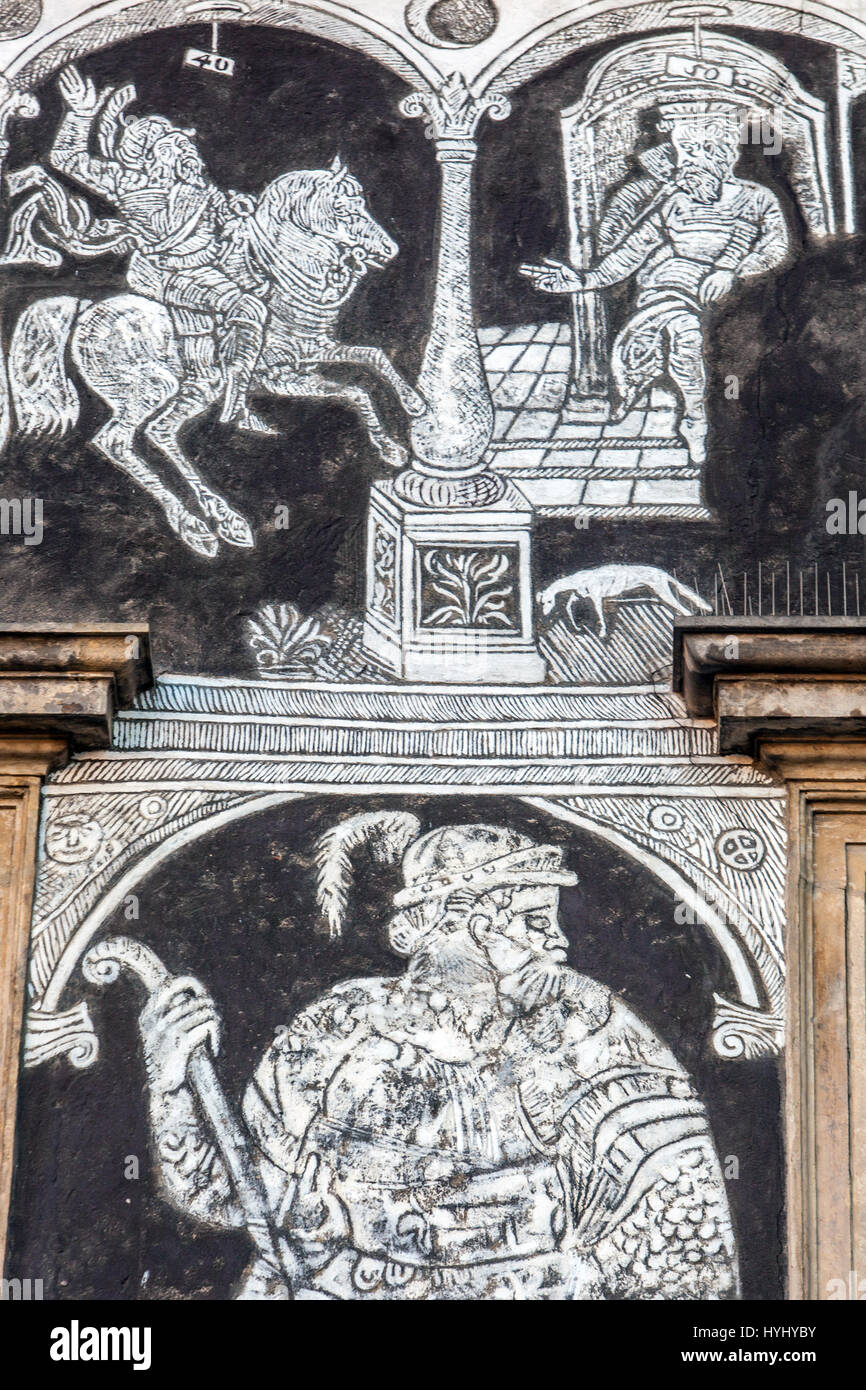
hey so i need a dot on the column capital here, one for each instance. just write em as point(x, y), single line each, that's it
point(452, 113)
point(63, 683)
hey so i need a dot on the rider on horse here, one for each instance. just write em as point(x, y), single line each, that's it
point(182, 227)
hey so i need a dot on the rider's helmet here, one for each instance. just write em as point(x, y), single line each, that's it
point(149, 141)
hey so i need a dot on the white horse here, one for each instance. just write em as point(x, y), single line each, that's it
point(312, 239)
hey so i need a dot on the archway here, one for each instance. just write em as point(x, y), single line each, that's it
point(119, 20)
point(272, 959)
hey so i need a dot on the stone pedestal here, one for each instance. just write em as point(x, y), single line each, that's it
point(449, 593)
point(449, 580)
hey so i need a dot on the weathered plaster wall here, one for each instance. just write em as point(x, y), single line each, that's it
point(545, 709)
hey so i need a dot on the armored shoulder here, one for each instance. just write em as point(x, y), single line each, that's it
point(758, 194)
point(336, 1014)
point(623, 209)
point(587, 1000)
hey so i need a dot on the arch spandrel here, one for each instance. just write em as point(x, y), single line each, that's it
point(575, 28)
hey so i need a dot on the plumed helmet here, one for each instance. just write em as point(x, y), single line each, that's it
point(475, 858)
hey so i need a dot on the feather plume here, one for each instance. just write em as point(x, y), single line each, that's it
point(388, 835)
point(112, 120)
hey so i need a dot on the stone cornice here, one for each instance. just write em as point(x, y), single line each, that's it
point(66, 681)
point(773, 678)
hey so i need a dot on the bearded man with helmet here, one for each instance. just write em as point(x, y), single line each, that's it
point(487, 1125)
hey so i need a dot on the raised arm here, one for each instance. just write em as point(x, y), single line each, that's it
point(70, 153)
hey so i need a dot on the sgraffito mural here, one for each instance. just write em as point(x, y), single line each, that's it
point(410, 369)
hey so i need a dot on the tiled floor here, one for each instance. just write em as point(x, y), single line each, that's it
point(635, 466)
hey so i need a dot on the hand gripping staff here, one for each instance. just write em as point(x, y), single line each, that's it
point(102, 965)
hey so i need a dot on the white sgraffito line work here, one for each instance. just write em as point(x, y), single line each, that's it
point(485, 1121)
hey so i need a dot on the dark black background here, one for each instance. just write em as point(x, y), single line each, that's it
point(236, 907)
point(79, 1224)
point(795, 339)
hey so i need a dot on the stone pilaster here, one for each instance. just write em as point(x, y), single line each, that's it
point(59, 689)
point(449, 593)
point(792, 693)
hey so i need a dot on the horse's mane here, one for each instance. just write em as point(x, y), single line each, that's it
point(304, 197)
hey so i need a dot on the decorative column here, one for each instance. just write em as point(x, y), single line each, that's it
point(792, 694)
point(449, 588)
point(450, 440)
point(589, 390)
point(850, 84)
point(59, 688)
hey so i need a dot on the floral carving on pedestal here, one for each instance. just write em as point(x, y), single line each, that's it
point(469, 588)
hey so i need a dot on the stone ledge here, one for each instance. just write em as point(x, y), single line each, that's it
point(66, 681)
point(766, 678)
point(29, 755)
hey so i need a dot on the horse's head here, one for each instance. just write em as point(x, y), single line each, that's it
point(326, 203)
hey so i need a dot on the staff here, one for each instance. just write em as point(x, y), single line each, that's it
point(102, 965)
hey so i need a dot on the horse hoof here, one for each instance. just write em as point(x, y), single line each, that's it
point(394, 454)
point(229, 525)
point(234, 529)
point(415, 405)
point(251, 423)
point(198, 537)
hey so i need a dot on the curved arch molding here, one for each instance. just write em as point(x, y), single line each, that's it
point(99, 26)
point(621, 764)
point(512, 53)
